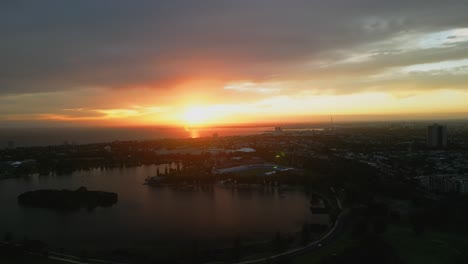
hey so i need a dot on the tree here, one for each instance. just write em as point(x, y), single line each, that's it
point(360, 228)
point(380, 225)
point(394, 216)
point(418, 222)
point(8, 237)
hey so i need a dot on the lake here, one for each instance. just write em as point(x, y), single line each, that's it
point(146, 216)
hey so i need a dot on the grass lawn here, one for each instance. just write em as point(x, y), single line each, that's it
point(429, 248)
point(342, 243)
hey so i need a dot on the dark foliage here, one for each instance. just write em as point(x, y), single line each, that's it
point(67, 200)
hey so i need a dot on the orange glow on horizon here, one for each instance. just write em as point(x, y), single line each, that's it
point(195, 109)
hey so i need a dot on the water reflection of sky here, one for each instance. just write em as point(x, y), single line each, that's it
point(148, 216)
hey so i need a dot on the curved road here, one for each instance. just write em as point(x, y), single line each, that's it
point(327, 239)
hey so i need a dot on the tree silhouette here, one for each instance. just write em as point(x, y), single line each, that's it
point(8, 237)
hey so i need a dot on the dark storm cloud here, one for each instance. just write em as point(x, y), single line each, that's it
point(63, 45)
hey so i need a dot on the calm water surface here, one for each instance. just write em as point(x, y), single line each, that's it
point(146, 216)
point(25, 137)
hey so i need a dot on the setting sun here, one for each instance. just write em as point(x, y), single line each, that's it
point(196, 116)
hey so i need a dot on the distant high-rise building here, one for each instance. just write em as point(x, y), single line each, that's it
point(332, 125)
point(11, 144)
point(278, 130)
point(436, 136)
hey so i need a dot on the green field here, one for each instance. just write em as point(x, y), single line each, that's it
point(429, 248)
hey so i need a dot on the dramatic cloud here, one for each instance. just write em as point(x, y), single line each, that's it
point(116, 54)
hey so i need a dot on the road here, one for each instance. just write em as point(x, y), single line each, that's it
point(327, 239)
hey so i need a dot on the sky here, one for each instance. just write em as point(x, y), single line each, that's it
point(116, 62)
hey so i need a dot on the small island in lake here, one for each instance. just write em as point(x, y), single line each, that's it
point(67, 199)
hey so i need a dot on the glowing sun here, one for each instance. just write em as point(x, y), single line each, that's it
point(196, 116)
